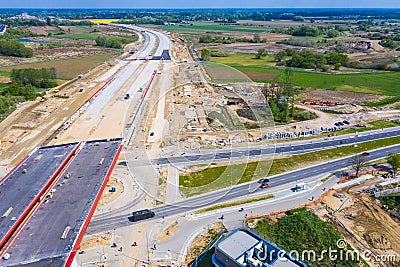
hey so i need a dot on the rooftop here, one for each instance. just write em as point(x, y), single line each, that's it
point(237, 244)
point(245, 248)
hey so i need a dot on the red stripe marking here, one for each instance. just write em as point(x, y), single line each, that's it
point(77, 244)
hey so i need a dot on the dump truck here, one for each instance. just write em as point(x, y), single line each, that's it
point(142, 215)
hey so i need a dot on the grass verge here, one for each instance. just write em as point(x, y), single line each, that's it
point(201, 181)
point(384, 102)
point(376, 125)
point(235, 203)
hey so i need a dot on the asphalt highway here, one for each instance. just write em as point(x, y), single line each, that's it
point(271, 150)
point(249, 189)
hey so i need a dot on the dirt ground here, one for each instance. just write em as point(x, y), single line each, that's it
point(366, 219)
point(202, 241)
point(169, 232)
point(261, 75)
point(109, 196)
point(104, 240)
point(32, 123)
point(339, 96)
point(96, 241)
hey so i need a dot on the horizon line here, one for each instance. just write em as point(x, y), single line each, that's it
point(179, 8)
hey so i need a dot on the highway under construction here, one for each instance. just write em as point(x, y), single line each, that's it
point(49, 198)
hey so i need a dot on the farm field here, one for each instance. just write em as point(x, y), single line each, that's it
point(201, 27)
point(77, 36)
point(380, 83)
point(66, 68)
point(99, 21)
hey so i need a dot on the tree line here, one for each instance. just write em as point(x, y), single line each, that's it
point(230, 40)
point(29, 83)
point(14, 48)
point(311, 31)
point(308, 59)
point(111, 42)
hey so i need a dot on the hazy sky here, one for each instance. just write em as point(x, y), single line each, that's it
point(196, 3)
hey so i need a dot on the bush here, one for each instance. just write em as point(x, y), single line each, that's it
point(14, 48)
point(108, 42)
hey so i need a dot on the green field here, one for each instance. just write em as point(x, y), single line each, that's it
point(379, 124)
point(203, 27)
point(301, 230)
point(243, 59)
point(3, 85)
point(5, 74)
point(373, 82)
point(66, 68)
point(213, 178)
point(78, 36)
point(392, 201)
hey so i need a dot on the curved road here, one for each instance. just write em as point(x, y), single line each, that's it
point(249, 189)
point(269, 151)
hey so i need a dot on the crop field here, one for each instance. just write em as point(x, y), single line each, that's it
point(211, 27)
point(99, 21)
point(380, 83)
point(244, 59)
point(66, 68)
point(77, 36)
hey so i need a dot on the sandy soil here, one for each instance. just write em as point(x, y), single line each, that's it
point(169, 232)
point(339, 96)
point(202, 241)
point(366, 220)
point(104, 240)
point(109, 196)
point(33, 122)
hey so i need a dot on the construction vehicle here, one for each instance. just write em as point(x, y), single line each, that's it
point(299, 187)
point(142, 215)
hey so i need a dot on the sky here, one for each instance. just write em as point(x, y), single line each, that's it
point(199, 3)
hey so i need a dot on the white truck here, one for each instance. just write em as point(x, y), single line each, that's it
point(299, 187)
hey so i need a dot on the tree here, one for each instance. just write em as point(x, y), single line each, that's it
point(205, 54)
point(394, 160)
point(257, 39)
point(261, 53)
point(358, 161)
point(280, 56)
point(388, 43)
point(48, 21)
point(337, 66)
point(333, 33)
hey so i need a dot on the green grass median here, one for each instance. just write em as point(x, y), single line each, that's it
point(214, 178)
point(235, 203)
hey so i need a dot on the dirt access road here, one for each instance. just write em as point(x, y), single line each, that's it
point(33, 122)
